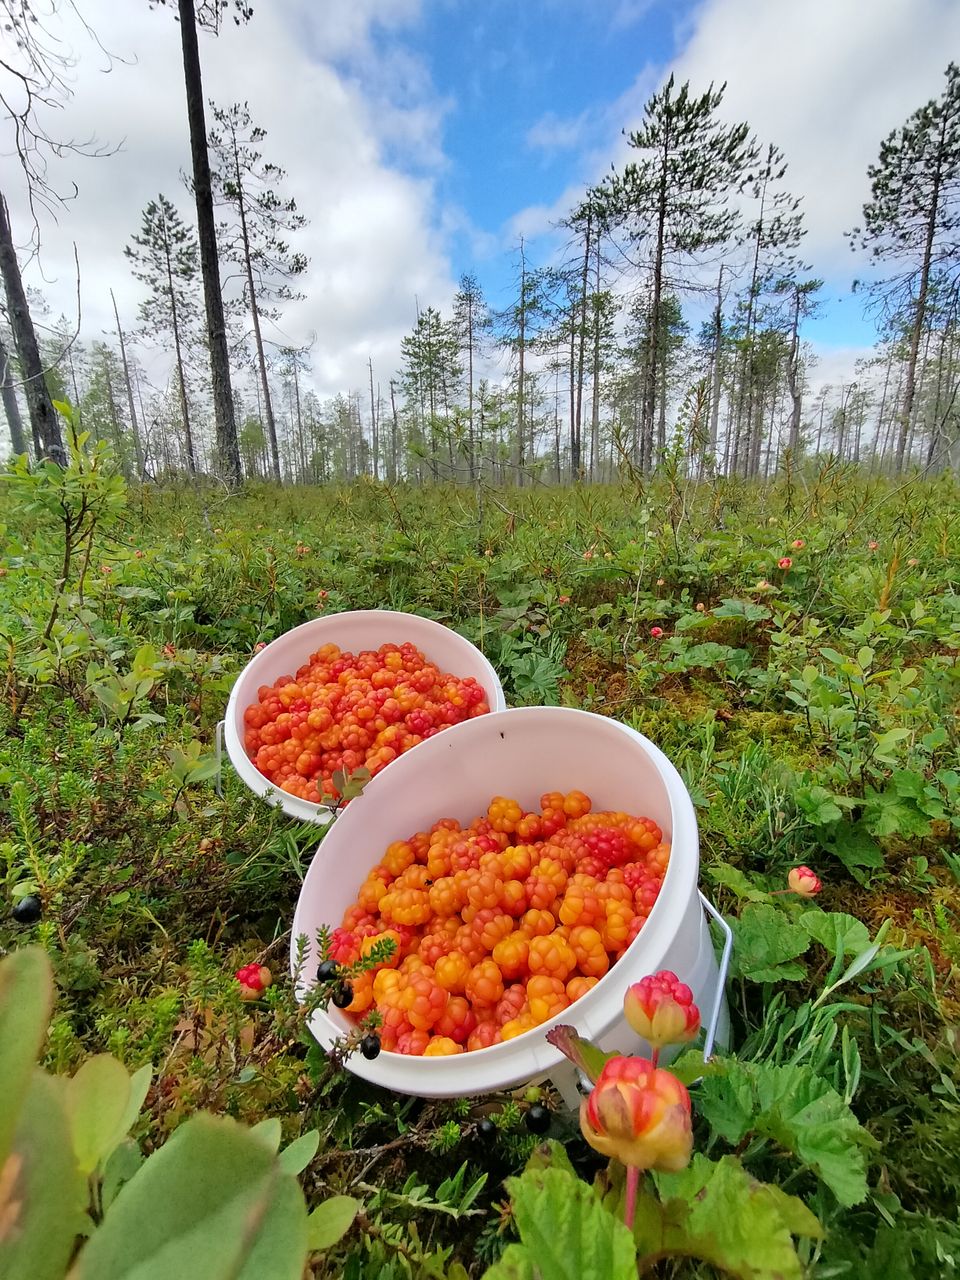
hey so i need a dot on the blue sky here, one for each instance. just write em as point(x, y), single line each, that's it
point(421, 137)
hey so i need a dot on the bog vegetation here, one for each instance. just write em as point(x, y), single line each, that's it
point(792, 648)
point(621, 487)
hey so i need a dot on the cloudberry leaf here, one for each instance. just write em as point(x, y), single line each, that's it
point(765, 942)
point(796, 1109)
point(715, 1211)
point(839, 933)
point(567, 1231)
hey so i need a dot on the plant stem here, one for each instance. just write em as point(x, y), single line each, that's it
point(633, 1182)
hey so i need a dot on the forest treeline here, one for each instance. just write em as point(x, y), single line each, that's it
point(670, 325)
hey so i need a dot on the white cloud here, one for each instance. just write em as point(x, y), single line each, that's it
point(826, 80)
point(551, 133)
point(359, 137)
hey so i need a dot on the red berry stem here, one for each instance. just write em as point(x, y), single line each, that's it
point(633, 1183)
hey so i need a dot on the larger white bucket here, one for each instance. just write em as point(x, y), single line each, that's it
point(522, 754)
point(355, 631)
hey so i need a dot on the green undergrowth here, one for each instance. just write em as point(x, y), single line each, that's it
point(812, 710)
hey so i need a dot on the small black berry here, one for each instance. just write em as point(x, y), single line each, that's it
point(327, 970)
point(537, 1119)
point(28, 910)
point(343, 995)
point(486, 1128)
point(370, 1046)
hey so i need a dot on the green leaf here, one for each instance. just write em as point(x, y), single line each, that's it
point(119, 1167)
point(798, 1110)
point(212, 1202)
point(717, 1212)
point(746, 610)
point(732, 878)
point(515, 1263)
point(854, 846)
point(97, 1100)
point(269, 1132)
point(765, 941)
point(838, 932)
point(549, 1155)
point(41, 1191)
point(567, 1231)
point(331, 1221)
point(295, 1158)
point(26, 999)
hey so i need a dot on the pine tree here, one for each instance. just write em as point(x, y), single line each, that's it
point(671, 200)
point(244, 183)
point(773, 232)
point(164, 258)
point(208, 15)
point(912, 221)
point(471, 321)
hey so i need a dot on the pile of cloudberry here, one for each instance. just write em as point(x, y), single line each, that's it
point(498, 926)
point(343, 711)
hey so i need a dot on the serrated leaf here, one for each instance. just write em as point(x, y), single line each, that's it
point(550, 1155)
point(715, 1211)
point(26, 999)
point(567, 1230)
point(798, 1110)
point(732, 878)
point(41, 1190)
point(515, 1263)
point(96, 1101)
point(839, 933)
point(295, 1158)
point(765, 940)
point(212, 1202)
point(331, 1221)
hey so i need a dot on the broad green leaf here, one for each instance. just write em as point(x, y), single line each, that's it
point(97, 1099)
point(567, 1231)
point(269, 1132)
point(331, 1221)
point(765, 942)
point(212, 1202)
point(839, 933)
point(550, 1155)
point(733, 878)
point(717, 1212)
point(516, 1263)
point(41, 1190)
point(295, 1158)
point(120, 1166)
point(853, 844)
point(26, 999)
point(798, 1110)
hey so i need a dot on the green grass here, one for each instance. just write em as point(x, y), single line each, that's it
point(814, 720)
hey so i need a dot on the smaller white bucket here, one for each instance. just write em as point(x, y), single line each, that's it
point(522, 754)
point(357, 630)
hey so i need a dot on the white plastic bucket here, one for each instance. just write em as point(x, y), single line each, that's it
point(521, 754)
point(355, 631)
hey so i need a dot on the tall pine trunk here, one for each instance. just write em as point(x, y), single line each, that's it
point(919, 316)
point(137, 447)
point(576, 436)
point(44, 422)
point(178, 352)
point(374, 425)
point(650, 390)
point(255, 318)
point(715, 371)
point(228, 450)
point(11, 407)
point(793, 375)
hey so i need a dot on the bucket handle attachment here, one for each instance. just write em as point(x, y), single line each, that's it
point(724, 967)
